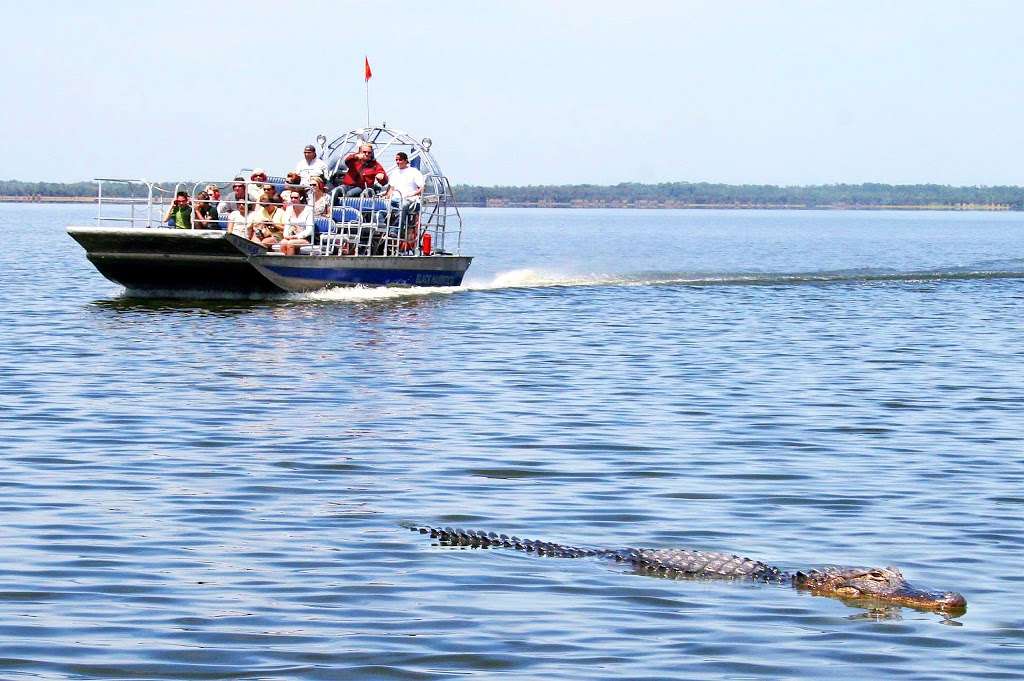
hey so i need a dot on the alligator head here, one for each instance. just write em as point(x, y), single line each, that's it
point(885, 585)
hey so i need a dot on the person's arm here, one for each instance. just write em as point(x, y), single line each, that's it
point(250, 226)
point(290, 225)
point(307, 225)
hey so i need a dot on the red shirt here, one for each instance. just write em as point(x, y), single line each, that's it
point(361, 174)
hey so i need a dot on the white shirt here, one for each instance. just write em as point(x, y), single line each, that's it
point(306, 170)
point(238, 224)
point(298, 222)
point(407, 181)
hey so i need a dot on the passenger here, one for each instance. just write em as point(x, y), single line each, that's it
point(268, 222)
point(310, 166)
point(179, 215)
point(230, 204)
point(321, 199)
point(238, 220)
point(255, 190)
point(293, 181)
point(364, 172)
point(269, 191)
point(214, 192)
point(405, 193)
point(205, 214)
point(298, 224)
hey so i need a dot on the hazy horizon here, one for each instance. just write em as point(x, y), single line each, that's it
point(787, 93)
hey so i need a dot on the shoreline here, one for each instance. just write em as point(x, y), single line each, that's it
point(644, 204)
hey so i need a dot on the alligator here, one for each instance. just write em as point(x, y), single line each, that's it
point(854, 585)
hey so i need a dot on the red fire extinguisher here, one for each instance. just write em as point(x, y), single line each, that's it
point(426, 244)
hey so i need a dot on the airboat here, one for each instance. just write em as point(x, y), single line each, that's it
point(367, 240)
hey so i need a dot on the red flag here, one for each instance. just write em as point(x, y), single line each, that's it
point(367, 72)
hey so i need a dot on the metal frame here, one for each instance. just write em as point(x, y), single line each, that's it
point(133, 202)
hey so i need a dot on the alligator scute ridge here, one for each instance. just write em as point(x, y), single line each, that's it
point(885, 585)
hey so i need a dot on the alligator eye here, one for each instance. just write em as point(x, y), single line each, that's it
point(876, 574)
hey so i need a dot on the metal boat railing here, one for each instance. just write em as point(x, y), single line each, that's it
point(367, 225)
point(135, 210)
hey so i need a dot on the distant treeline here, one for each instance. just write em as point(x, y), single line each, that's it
point(869, 195)
point(79, 189)
point(705, 193)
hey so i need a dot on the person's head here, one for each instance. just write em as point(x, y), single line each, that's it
point(203, 197)
point(258, 175)
point(271, 203)
point(366, 150)
point(269, 189)
point(309, 153)
point(213, 190)
point(238, 188)
point(181, 199)
point(293, 178)
point(402, 159)
point(317, 183)
point(242, 207)
point(299, 196)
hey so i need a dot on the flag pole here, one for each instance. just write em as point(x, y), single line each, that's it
point(367, 74)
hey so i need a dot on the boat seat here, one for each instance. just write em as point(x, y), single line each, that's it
point(345, 214)
point(364, 203)
point(346, 227)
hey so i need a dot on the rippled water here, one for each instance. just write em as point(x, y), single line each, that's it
point(215, 489)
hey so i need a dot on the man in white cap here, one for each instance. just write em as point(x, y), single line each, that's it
point(310, 165)
point(257, 178)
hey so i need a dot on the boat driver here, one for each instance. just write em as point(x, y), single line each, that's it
point(364, 172)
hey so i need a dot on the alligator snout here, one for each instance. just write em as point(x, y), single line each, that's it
point(879, 584)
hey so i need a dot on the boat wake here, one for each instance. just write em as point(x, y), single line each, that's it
point(531, 279)
point(524, 278)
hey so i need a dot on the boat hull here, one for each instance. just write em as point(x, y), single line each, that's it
point(210, 261)
point(310, 273)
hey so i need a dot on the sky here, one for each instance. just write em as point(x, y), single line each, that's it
point(777, 92)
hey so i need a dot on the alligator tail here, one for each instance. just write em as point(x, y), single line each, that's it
point(662, 562)
point(476, 539)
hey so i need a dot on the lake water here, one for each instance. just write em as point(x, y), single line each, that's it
point(215, 489)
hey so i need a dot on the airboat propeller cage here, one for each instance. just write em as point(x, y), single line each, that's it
point(387, 142)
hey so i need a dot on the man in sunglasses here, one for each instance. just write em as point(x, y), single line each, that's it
point(230, 203)
point(363, 172)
